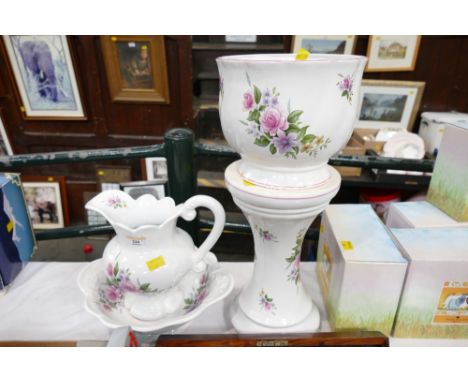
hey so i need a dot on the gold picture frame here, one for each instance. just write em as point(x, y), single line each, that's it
point(392, 53)
point(390, 104)
point(136, 68)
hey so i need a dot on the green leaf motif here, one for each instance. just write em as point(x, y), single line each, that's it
point(272, 149)
point(294, 116)
point(116, 269)
point(293, 129)
point(302, 133)
point(263, 141)
point(254, 116)
point(345, 93)
point(144, 287)
point(244, 123)
point(309, 138)
point(257, 95)
point(188, 301)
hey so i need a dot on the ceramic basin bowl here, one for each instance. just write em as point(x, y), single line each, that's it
point(287, 117)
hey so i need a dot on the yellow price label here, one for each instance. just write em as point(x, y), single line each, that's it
point(155, 263)
point(247, 183)
point(347, 245)
point(302, 54)
point(321, 228)
point(10, 225)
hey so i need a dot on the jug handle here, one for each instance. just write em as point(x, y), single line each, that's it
point(189, 213)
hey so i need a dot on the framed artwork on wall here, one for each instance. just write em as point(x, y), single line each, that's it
point(154, 168)
point(324, 44)
point(136, 68)
point(46, 199)
point(45, 77)
point(392, 53)
point(389, 104)
point(5, 146)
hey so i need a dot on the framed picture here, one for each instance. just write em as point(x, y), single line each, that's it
point(136, 68)
point(154, 168)
point(45, 77)
point(324, 44)
point(110, 177)
point(241, 38)
point(5, 147)
point(153, 187)
point(46, 199)
point(392, 53)
point(389, 104)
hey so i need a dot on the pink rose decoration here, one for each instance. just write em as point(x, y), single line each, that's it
point(113, 294)
point(273, 121)
point(110, 270)
point(248, 101)
point(128, 286)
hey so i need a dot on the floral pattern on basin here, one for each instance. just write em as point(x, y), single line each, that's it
point(271, 126)
point(294, 260)
point(266, 302)
point(116, 202)
point(198, 295)
point(116, 285)
point(346, 86)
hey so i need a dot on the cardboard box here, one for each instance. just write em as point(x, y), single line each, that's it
point(432, 127)
point(17, 240)
point(360, 270)
point(419, 214)
point(353, 147)
point(434, 302)
point(448, 189)
point(366, 137)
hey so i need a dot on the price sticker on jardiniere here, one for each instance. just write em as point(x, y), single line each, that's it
point(347, 245)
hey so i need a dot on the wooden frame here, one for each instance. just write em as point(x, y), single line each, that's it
point(406, 63)
point(58, 182)
point(412, 90)
point(5, 145)
point(350, 42)
point(136, 68)
point(55, 95)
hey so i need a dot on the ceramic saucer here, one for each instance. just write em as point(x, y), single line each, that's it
point(91, 281)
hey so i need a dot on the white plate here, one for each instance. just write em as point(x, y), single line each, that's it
point(91, 279)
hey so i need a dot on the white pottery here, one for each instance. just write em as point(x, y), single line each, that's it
point(213, 287)
point(151, 265)
point(275, 300)
point(287, 117)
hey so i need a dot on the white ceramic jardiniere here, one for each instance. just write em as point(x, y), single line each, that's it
point(151, 265)
point(287, 117)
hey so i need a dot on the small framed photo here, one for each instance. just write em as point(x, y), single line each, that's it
point(154, 168)
point(110, 177)
point(389, 104)
point(156, 187)
point(46, 199)
point(45, 77)
point(324, 44)
point(136, 68)
point(392, 53)
point(5, 147)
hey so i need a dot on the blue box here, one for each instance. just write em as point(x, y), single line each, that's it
point(17, 240)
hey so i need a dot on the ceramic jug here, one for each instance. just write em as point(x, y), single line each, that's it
point(149, 253)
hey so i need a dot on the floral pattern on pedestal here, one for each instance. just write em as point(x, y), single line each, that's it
point(346, 86)
point(294, 260)
point(116, 285)
point(271, 126)
point(266, 302)
point(198, 294)
point(266, 235)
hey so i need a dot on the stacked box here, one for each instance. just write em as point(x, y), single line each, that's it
point(448, 189)
point(17, 241)
point(419, 214)
point(434, 302)
point(360, 269)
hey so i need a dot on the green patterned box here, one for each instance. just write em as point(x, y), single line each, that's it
point(434, 302)
point(360, 269)
point(448, 189)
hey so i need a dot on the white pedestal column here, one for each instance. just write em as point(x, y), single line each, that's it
point(275, 300)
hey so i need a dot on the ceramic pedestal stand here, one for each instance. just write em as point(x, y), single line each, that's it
point(275, 300)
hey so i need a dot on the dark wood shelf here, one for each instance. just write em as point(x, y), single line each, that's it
point(234, 46)
point(207, 76)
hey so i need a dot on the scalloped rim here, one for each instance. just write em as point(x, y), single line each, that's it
point(147, 326)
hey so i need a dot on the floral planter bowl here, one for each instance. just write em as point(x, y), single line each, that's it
point(287, 117)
